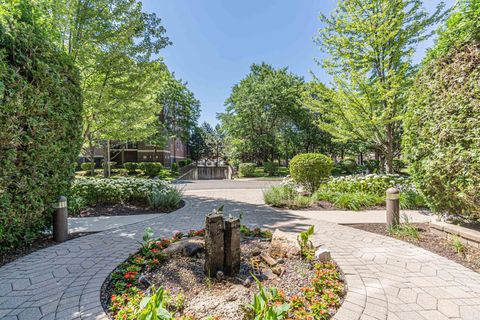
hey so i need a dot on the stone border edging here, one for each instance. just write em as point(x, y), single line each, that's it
point(465, 235)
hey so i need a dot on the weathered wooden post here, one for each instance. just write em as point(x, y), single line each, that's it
point(393, 207)
point(60, 220)
point(214, 243)
point(232, 246)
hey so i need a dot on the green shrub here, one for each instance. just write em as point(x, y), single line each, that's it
point(285, 196)
point(411, 200)
point(112, 164)
point(40, 124)
point(247, 169)
point(189, 161)
point(373, 166)
point(151, 169)
point(310, 170)
point(92, 191)
point(349, 165)
point(398, 165)
point(441, 139)
point(174, 167)
point(271, 168)
point(349, 200)
point(87, 166)
point(131, 167)
point(182, 163)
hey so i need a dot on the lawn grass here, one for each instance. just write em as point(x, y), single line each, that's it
point(260, 174)
point(165, 174)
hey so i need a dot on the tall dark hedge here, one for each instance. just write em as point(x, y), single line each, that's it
point(40, 126)
point(442, 128)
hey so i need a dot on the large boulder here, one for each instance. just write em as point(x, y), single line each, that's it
point(284, 245)
point(186, 247)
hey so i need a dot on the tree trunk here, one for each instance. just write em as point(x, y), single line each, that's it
point(389, 150)
point(106, 164)
point(91, 148)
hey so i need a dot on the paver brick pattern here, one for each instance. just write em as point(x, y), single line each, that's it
point(387, 278)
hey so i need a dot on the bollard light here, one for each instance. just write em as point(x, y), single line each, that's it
point(60, 220)
point(393, 207)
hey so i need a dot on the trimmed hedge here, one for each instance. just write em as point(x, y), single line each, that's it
point(310, 170)
point(247, 169)
point(151, 169)
point(40, 125)
point(131, 167)
point(441, 139)
point(87, 166)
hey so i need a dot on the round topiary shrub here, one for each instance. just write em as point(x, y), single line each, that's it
point(182, 163)
point(151, 169)
point(247, 169)
point(87, 166)
point(40, 125)
point(131, 167)
point(442, 131)
point(271, 168)
point(310, 170)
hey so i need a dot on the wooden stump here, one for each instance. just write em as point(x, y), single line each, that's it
point(214, 244)
point(232, 247)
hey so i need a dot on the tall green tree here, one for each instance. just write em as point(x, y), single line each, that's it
point(370, 46)
point(257, 108)
point(214, 138)
point(180, 109)
point(112, 43)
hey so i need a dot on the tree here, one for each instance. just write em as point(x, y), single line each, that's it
point(257, 108)
point(442, 123)
point(197, 145)
point(111, 42)
point(370, 46)
point(180, 109)
point(214, 140)
point(40, 123)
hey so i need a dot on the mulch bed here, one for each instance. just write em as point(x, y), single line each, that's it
point(470, 258)
point(39, 243)
point(123, 209)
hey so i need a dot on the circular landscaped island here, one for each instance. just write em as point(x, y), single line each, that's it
point(226, 271)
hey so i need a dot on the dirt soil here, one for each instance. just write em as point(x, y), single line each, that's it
point(123, 209)
point(469, 258)
point(39, 243)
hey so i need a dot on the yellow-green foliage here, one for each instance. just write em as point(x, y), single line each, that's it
point(310, 170)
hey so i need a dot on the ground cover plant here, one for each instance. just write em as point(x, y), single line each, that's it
point(347, 192)
point(130, 299)
point(92, 191)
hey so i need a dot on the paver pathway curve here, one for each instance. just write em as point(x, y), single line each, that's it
point(387, 279)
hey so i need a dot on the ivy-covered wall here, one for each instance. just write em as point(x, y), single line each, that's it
point(40, 124)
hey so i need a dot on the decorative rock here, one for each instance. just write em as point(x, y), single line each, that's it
point(269, 260)
point(220, 276)
point(187, 247)
point(214, 243)
point(284, 245)
point(323, 255)
point(232, 247)
point(278, 270)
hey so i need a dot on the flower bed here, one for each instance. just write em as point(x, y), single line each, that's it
point(318, 298)
point(91, 191)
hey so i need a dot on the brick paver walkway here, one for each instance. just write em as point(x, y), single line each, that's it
point(387, 279)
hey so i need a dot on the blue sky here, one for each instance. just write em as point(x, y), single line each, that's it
point(216, 41)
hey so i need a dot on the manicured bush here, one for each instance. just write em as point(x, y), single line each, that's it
point(174, 167)
point(87, 166)
point(151, 169)
point(311, 170)
point(271, 168)
point(189, 161)
point(92, 191)
point(40, 124)
point(131, 167)
point(112, 164)
point(349, 165)
point(442, 124)
point(247, 169)
point(182, 163)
